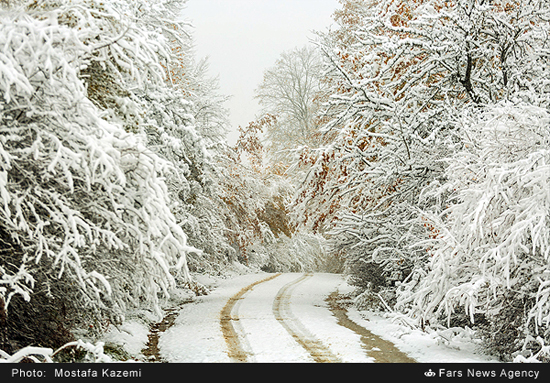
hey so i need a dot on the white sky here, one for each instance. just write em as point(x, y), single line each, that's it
point(243, 38)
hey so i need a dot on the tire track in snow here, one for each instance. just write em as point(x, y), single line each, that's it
point(381, 350)
point(237, 346)
point(281, 309)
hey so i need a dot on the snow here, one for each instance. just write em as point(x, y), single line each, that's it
point(310, 307)
point(132, 335)
point(265, 338)
point(196, 335)
point(424, 347)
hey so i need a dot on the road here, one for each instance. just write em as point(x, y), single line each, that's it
point(288, 317)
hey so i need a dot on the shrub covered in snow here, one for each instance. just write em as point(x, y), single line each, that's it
point(491, 258)
point(84, 203)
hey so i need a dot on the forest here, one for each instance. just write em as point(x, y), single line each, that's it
point(408, 148)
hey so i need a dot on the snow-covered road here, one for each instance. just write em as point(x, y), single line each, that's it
point(288, 318)
point(264, 318)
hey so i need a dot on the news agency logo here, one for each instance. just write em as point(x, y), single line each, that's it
point(429, 373)
point(505, 372)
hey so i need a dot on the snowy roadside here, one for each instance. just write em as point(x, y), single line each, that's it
point(450, 346)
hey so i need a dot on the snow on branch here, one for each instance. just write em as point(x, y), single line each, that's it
point(497, 229)
point(75, 189)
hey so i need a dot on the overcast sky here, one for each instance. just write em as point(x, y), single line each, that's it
point(242, 38)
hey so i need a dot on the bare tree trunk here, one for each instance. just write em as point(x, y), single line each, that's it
point(4, 326)
point(467, 80)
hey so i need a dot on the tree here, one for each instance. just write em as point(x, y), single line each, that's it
point(86, 216)
point(412, 189)
point(256, 201)
point(490, 259)
point(291, 91)
point(402, 73)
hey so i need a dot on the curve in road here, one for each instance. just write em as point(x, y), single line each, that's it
point(240, 351)
point(281, 309)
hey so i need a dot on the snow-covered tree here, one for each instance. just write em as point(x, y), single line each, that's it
point(291, 91)
point(402, 73)
point(86, 211)
point(490, 257)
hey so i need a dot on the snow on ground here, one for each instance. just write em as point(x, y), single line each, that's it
point(196, 335)
point(132, 335)
point(263, 335)
point(310, 307)
point(450, 346)
point(270, 342)
point(424, 347)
